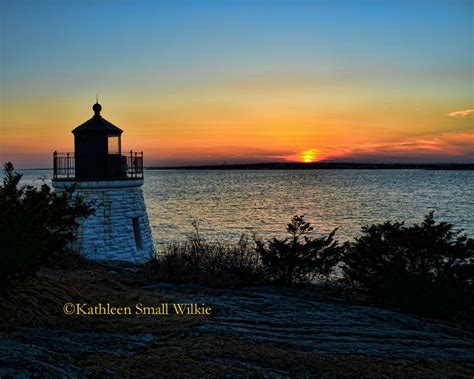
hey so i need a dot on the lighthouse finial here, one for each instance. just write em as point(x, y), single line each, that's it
point(97, 107)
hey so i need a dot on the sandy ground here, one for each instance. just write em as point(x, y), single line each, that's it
point(263, 332)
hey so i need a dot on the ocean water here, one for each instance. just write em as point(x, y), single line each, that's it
point(226, 204)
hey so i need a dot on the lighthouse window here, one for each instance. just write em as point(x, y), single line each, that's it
point(113, 145)
point(137, 234)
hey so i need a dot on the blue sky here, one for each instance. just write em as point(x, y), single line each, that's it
point(139, 53)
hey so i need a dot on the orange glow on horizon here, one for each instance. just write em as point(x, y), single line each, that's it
point(309, 156)
point(201, 130)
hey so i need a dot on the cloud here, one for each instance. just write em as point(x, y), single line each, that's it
point(462, 114)
point(442, 147)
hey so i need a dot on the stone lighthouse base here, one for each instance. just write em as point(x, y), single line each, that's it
point(118, 230)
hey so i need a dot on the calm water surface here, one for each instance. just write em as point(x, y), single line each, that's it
point(228, 203)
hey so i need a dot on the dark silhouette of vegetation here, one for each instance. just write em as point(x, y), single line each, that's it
point(35, 225)
point(299, 259)
point(426, 266)
point(214, 264)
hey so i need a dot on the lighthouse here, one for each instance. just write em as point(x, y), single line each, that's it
point(111, 181)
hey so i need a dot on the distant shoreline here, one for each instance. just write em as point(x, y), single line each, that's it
point(312, 166)
point(326, 166)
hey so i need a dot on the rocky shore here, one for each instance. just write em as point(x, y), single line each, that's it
point(263, 331)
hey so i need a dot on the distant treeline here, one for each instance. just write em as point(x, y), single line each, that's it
point(327, 166)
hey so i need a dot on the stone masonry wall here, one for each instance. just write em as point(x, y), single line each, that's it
point(109, 234)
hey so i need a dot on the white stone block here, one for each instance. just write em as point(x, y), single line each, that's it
point(109, 233)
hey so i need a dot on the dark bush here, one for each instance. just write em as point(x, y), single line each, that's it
point(35, 225)
point(299, 259)
point(426, 267)
point(210, 263)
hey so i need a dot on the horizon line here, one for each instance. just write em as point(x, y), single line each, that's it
point(292, 163)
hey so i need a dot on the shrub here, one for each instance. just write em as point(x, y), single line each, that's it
point(35, 225)
point(426, 267)
point(299, 259)
point(210, 263)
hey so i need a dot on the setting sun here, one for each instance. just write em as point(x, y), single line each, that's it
point(309, 156)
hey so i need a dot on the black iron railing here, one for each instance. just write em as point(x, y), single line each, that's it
point(97, 166)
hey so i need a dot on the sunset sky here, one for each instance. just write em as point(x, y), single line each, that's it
point(194, 82)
